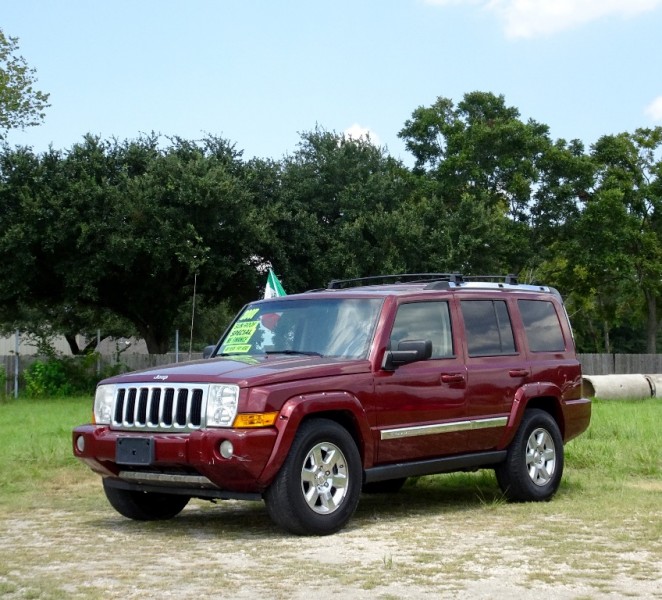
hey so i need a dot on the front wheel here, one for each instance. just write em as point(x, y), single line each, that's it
point(534, 463)
point(144, 506)
point(317, 489)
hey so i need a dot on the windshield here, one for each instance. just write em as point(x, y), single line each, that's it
point(324, 327)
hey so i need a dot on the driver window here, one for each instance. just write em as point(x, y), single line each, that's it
point(424, 321)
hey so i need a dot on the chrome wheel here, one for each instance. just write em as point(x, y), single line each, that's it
point(533, 467)
point(324, 478)
point(540, 457)
point(318, 487)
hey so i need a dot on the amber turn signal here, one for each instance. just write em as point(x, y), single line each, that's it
point(255, 419)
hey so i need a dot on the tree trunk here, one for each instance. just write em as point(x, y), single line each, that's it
point(607, 341)
point(651, 322)
point(157, 342)
point(73, 343)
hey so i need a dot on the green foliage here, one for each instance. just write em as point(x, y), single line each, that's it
point(64, 376)
point(20, 104)
point(335, 211)
point(480, 165)
point(114, 235)
point(47, 379)
point(122, 229)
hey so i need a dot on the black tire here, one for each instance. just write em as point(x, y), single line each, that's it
point(317, 489)
point(144, 506)
point(390, 486)
point(533, 467)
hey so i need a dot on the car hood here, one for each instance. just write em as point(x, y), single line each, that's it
point(246, 371)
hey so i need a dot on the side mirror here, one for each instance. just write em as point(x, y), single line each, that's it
point(208, 351)
point(408, 351)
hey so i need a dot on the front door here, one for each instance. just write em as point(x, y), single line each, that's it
point(421, 406)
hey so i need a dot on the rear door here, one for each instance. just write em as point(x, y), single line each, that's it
point(496, 367)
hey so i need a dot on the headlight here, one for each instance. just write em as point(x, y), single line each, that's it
point(222, 404)
point(103, 404)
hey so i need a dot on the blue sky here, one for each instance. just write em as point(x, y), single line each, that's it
point(260, 72)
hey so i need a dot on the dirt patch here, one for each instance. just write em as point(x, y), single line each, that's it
point(397, 546)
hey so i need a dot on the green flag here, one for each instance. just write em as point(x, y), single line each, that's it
point(274, 287)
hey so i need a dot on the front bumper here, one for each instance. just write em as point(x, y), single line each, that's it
point(185, 461)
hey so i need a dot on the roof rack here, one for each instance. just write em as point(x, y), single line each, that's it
point(430, 278)
point(510, 279)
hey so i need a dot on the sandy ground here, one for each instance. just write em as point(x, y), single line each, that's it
point(393, 548)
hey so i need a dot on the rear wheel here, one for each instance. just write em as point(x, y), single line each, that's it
point(144, 506)
point(534, 464)
point(317, 489)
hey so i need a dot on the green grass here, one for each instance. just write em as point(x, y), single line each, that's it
point(35, 444)
point(623, 444)
point(599, 535)
point(624, 440)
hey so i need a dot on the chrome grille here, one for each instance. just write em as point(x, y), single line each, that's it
point(174, 407)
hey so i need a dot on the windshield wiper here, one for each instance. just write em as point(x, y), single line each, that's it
point(294, 352)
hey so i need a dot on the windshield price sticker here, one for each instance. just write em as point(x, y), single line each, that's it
point(239, 337)
point(249, 314)
point(236, 348)
point(242, 332)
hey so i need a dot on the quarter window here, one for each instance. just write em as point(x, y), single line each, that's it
point(543, 330)
point(488, 328)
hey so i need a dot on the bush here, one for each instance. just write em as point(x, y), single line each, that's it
point(3, 381)
point(64, 376)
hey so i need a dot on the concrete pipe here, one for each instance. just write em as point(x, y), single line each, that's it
point(618, 387)
point(656, 385)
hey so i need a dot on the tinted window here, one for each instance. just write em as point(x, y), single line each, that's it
point(543, 330)
point(424, 321)
point(488, 328)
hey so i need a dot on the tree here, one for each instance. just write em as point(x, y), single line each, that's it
point(480, 153)
point(128, 228)
point(332, 211)
point(21, 105)
point(607, 255)
point(629, 167)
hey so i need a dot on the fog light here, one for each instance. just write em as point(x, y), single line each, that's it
point(80, 444)
point(227, 449)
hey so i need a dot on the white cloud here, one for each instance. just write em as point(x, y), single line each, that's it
point(532, 18)
point(654, 109)
point(357, 132)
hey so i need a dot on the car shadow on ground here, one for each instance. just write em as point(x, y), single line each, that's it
point(426, 496)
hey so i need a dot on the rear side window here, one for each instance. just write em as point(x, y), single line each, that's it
point(424, 321)
point(541, 323)
point(488, 328)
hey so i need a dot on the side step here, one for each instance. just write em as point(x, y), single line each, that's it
point(463, 462)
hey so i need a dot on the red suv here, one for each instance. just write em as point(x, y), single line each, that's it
point(311, 398)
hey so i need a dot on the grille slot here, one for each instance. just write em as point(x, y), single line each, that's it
point(174, 407)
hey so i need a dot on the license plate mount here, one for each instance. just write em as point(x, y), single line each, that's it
point(134, 451)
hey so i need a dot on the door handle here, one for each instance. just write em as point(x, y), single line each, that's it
point(518, 372)
point(452, 378)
